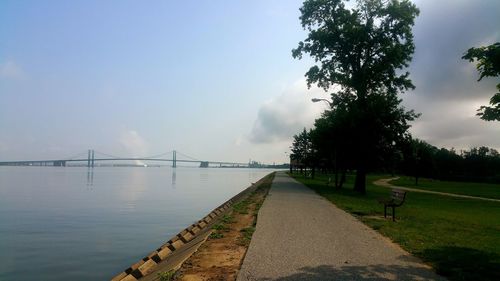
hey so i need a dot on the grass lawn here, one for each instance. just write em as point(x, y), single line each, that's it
point(487, 190)
point(459, 237)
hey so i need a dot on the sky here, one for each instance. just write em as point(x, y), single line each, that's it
point(214, 80)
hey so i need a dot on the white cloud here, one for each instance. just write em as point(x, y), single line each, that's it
point(133, 143)
point(238, 141)
point(453, 123)
point(283, 116)
point(11, 70)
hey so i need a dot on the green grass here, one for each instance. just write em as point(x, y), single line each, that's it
point(242, 206)
point(166, 276)
point(220, 227)
point(459, 237)
point(487, 190)
point(227, 219)
point(216, 235)
point(246, 236)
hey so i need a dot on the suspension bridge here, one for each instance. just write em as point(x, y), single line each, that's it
point(93, 156)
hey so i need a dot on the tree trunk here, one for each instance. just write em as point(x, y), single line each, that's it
point(336, 177)
point(360, 182)
point(361, 141)
point(416, 174)
point(361, 159)
point(342, 178)
point(336, 170)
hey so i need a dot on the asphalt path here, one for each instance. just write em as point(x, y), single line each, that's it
point(302, 236)
point(386, 183)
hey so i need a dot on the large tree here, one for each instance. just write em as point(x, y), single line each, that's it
point(302, 150)
point(362, 50)
point(488, 58)
point(331, 137)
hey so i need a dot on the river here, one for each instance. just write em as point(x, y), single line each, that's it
point(72, 223)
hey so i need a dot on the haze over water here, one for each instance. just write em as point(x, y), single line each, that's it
point(74, 224)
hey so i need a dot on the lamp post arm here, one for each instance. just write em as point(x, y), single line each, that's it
point(325, 100)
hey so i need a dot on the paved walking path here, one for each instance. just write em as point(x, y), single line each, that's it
point(302, 236)
point(385, 183)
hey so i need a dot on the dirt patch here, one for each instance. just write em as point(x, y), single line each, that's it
point(221, 256)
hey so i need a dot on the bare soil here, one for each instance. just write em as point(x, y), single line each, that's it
point(221, 256)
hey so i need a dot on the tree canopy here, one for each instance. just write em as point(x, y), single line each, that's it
point(488, 58)
point(363, 51)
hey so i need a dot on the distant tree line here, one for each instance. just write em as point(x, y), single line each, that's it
point(326, 148)
point(420, 159)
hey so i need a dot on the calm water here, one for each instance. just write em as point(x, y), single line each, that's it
point(61, 223)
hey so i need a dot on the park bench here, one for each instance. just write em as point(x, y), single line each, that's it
point(396, 200)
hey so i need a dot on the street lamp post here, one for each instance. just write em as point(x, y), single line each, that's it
point(335, 158)
point(325, 100)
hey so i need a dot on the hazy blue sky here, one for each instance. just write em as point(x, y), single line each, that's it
point(212, 79)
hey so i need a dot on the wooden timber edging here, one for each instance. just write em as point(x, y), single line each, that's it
point(180, 241)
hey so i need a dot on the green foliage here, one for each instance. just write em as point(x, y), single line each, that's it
point(458, 237)
point(216, 235)
point(166, 276)
point(480, 164)
point(257, 208)
point(362, 50)
point(358, 49)
point(488, 58)
point(227, 219)
point(242, 206)
point(246, 235)
point(220, 226)
point(302, 149)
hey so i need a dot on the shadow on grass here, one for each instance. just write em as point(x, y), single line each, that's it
point(361, 273)
point(458, 263)
point(326, 189)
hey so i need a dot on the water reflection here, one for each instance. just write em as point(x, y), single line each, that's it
point(203, 177)
point(134, 189)
point(174, 177)
point(90, 176)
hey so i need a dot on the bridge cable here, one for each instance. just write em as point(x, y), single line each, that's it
point(159, 155)
point(75, 156)
point(108, 155)
point(187, 156)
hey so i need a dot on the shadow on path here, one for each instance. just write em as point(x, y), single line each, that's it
point(361, 273)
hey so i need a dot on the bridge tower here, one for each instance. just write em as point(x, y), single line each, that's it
point(90, 158)
point(174, 159)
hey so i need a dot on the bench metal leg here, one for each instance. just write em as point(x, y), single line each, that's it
point(385, 211)
point(393, 213)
